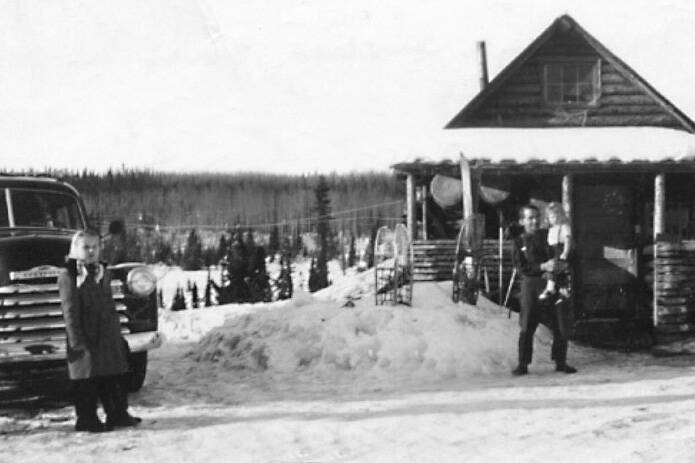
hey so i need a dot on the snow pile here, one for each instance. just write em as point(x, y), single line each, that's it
point(350, 285)
point(339, 332)
point(191, 325)
point(435, 339)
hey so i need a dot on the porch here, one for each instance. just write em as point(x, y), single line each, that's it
point(633, 223)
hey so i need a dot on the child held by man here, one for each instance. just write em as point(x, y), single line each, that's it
point(560, 241)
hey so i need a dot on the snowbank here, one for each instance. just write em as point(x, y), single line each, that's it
point(320, 337)
point(315, 336)
point(191, 325)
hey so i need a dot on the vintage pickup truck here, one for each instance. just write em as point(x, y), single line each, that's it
point(38, 216)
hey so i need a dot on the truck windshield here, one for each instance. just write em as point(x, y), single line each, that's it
point(45, 209)
point(4, 216)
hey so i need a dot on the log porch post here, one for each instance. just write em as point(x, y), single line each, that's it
point(567, 193)
point(568, 208)
point(423, 191)
point(410, 207)
point(659, 205)
point(659, 229)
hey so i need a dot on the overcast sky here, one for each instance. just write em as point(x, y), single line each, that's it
point(282, 85)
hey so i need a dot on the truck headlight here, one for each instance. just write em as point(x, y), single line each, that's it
point(141, 281)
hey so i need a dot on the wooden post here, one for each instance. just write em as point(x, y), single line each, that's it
point(410, 205)
point(424, 211)
point(500, 279)
point(567, 193)
point(659, 206)
point(466, 188)
point(568, 208)
point(659, 229)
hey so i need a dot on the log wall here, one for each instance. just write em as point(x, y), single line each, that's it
point(434, 261)
point(519, 101)
point(674, 273)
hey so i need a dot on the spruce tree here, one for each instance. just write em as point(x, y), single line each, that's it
point(274, 242)
point(298, 242)
point(284, 281)
point(352, 253)
point(370, 246)
point(274, 238)
point(179, 302)
point(323, 229)
point(313, 277)
point(208, 293)
point(222, 248)
point(195, 301)
point(192, 258)
point(162, 251)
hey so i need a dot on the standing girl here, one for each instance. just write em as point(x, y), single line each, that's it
point(96, 352)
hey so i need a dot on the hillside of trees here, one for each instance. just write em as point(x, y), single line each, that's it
point(215, 202)
point(209, 200)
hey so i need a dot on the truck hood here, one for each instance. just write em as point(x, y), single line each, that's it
point(22, 253)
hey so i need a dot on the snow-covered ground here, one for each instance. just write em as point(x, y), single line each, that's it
point(309, 380)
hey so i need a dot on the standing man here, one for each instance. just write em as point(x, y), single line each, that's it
point(532, 257)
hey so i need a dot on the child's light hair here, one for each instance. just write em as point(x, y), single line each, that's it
point(77, 238)
point(557, 209)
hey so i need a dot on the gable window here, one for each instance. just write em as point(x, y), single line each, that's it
point(571, 83)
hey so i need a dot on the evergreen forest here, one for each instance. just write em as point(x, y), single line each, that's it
point(209, 201)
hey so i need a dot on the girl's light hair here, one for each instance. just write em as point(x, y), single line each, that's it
point(77, 238)
point(556, 208)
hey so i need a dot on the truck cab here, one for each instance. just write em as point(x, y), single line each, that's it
point(38, 216)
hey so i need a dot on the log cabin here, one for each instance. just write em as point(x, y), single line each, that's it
point(569, 121)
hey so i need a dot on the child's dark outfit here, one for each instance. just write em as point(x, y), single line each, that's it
point(561, 276)
point(96, 351)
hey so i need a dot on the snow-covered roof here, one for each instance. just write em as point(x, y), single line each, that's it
point(614, 145)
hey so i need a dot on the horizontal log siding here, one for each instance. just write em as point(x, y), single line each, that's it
point(434, 260)
point(675, 286)
point(519, 101)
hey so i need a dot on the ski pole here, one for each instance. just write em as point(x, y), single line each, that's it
point(509, 292)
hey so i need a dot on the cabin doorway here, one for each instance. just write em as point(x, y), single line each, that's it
point(606, 256)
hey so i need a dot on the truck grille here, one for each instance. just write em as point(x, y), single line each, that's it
point(31, 312)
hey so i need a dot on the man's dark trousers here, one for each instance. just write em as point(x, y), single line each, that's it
point(530, 317)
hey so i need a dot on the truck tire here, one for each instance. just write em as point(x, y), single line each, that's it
point(138, 370)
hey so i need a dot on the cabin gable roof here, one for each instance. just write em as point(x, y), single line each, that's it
point(520, 95)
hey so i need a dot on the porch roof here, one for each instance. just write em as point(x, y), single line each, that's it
point(558, 150)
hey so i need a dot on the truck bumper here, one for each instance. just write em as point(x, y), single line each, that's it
point(141, 342)
point(41, 351)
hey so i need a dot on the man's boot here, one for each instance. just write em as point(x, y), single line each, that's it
point(565, 368)
point(520, 370)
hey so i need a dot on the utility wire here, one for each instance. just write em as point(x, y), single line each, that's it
point(302, 220)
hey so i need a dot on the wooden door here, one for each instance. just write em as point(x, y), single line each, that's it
point(606, 258)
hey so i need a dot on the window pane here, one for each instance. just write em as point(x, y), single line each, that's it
point(571, 83)
point(554, 93)
point(569, 95)
point(586, 93)
point(553, 73)
point(45, 209)
point(585, 74)
point(569, 74)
